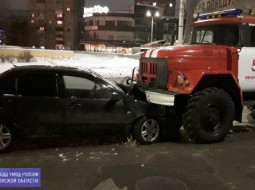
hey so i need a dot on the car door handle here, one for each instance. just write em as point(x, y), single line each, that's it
point(74, 105)
point(10, 102)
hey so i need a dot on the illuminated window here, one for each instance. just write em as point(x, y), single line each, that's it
point(68, 9)
point(33, 15)
point(59, 22)
point(59, 15)
point(41, 28)
point(32, 21)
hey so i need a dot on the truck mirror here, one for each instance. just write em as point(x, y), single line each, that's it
point(245, 35)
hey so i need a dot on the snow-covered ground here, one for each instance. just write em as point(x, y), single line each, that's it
point(109, 66)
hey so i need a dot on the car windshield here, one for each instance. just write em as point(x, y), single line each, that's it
point(221, 34)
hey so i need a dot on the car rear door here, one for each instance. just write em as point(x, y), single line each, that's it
point(36, 107)
point(88, 106)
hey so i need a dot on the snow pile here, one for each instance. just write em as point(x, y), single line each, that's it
point(109, 66)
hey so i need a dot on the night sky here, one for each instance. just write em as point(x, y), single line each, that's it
point(14, 4)
point(114, 5)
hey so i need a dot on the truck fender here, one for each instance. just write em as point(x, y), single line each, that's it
point(228, 83)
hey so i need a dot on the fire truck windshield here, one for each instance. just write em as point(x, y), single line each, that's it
point(221, 34)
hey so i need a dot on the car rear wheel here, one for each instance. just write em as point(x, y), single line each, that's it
point(146, 131)
point(6, 137)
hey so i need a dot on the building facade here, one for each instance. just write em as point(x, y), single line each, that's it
point(108, 32)
point(55, 24)
point(116, 30)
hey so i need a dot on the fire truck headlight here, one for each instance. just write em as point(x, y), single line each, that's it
point(187, 83)
point(180, 79)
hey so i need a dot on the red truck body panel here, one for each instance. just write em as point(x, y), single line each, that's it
point(193, 62)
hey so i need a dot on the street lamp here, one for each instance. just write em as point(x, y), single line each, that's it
point(149, 14)
point(181, 23)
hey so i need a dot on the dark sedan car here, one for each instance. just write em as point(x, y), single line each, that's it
point(52, 101)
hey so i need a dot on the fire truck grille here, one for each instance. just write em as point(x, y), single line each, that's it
point(154, 72)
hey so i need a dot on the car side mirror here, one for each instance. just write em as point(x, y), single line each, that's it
point(115, 97)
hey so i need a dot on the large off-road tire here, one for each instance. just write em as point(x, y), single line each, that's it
point(146, 131)
point(7, 137)
point(209, 115)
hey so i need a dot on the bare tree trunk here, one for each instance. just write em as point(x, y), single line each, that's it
point(191, 5)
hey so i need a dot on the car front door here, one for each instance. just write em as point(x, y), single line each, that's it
point(36, 107)
point(89, 109)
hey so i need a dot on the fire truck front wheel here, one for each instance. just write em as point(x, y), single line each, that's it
point(209, 115)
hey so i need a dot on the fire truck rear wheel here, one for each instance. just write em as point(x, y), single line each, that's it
point(209, 115)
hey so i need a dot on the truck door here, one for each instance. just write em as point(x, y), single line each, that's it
point(246, 63)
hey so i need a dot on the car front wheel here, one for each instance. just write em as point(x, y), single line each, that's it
point(146, 131)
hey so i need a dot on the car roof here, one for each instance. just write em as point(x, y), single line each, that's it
point(59, 68)
point(50, 68)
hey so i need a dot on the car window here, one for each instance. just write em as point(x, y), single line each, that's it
point(72, 82)
point(80, 87)
point(43, 85)
point(7, 86)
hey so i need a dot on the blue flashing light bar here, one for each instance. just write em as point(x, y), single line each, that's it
point(227, 13)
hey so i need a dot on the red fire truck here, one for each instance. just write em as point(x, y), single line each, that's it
point(208, 81)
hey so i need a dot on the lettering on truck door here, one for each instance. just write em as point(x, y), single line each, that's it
point(246, 65)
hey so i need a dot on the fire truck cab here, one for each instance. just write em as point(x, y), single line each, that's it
point(207, 81)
